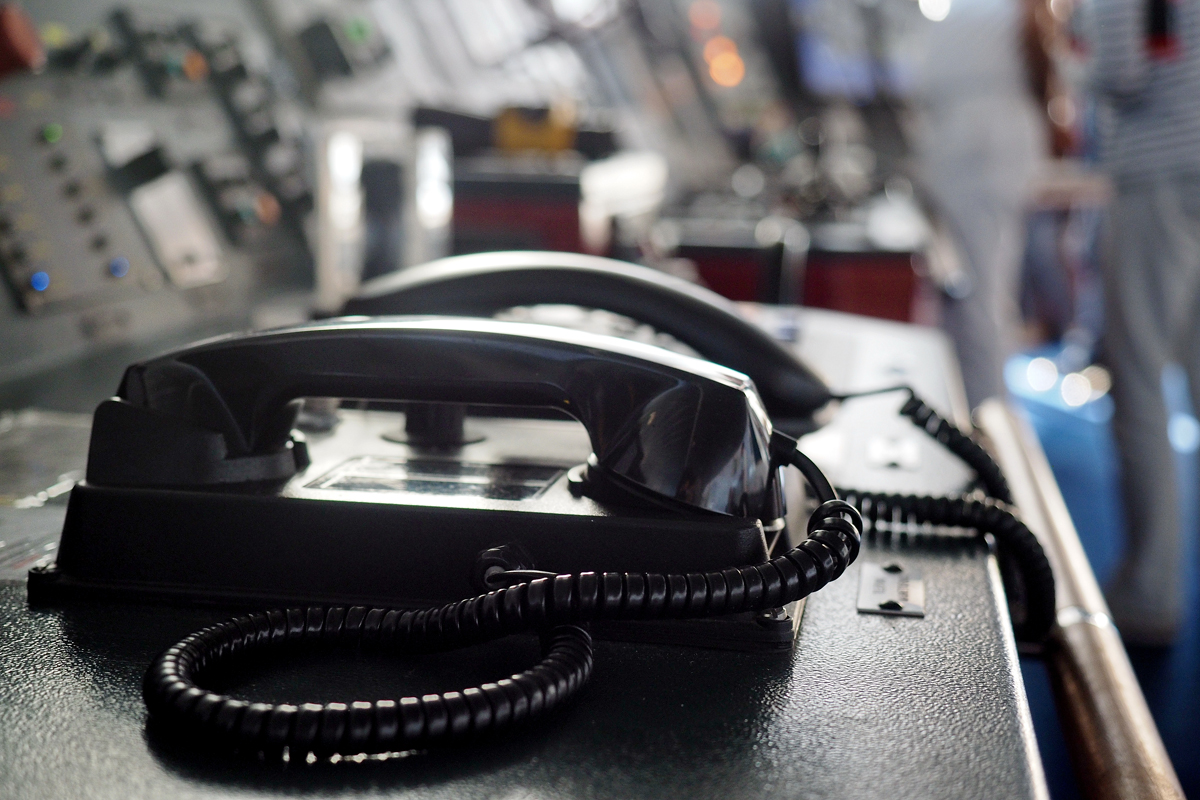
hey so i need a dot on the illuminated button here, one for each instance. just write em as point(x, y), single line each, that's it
point(194, 66)
point(55, 35)
point(40, 281)
point(358, 30)
point(51, 133)
point(118, 267)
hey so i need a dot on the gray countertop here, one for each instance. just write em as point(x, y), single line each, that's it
point(865, 706)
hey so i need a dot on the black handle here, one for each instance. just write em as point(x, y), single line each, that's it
point(485, 283)
point(221, 411)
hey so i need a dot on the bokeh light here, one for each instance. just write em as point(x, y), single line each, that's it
point(1076, 390)
point(934, 10)
point(727, 69)
point(705, 15)
point(718, 45)
point(1041, 374)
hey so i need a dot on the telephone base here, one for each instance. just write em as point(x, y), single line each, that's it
point(375, 522)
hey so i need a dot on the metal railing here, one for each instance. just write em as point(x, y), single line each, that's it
point(1115, 747)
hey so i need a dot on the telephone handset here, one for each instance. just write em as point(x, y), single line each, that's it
point(482, 284)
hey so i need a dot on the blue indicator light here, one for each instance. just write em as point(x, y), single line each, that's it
point(39, 281)
point(119, 267)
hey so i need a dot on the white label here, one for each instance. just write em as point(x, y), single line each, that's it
point(170, 213)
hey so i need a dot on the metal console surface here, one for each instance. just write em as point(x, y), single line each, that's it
point(864, 705)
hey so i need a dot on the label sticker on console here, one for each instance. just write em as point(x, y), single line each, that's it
point(437, 477)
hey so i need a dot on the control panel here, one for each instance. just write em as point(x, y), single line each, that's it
point(152, 182)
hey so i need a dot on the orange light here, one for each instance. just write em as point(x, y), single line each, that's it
point(727, 69)
point(267, 208)
point(718, 45)
point(195, 66)
point(705, 15)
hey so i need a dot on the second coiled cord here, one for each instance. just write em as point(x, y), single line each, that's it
point(1028, 576)
point(1025, 569)
point(923, 415)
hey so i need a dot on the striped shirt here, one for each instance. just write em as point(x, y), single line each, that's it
point(1154, 104)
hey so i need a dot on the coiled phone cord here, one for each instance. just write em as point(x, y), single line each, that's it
point(545, 604)
point(555, 606)
point(1025, 569)
point(970, 451)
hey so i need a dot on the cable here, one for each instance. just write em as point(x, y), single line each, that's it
point(1028, 576)
point(172, 691)
point(1025, 569)
point(172, 694)
point(970, 451)
point(959, 443)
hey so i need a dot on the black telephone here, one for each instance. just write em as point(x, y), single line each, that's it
point(198, 488)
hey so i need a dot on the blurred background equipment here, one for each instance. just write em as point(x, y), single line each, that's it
point(169, 171)
point(148, 189)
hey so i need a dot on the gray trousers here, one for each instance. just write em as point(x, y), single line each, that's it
point(979, 152)
point(983, 325)
point(1152, 296)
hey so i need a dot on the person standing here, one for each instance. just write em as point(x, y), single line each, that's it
point(983, 140)
point(1145, 64)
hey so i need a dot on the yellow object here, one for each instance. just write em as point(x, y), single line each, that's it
point(549, 130)
point(54, 35)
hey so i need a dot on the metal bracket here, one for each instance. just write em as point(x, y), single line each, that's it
point(892, 590)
